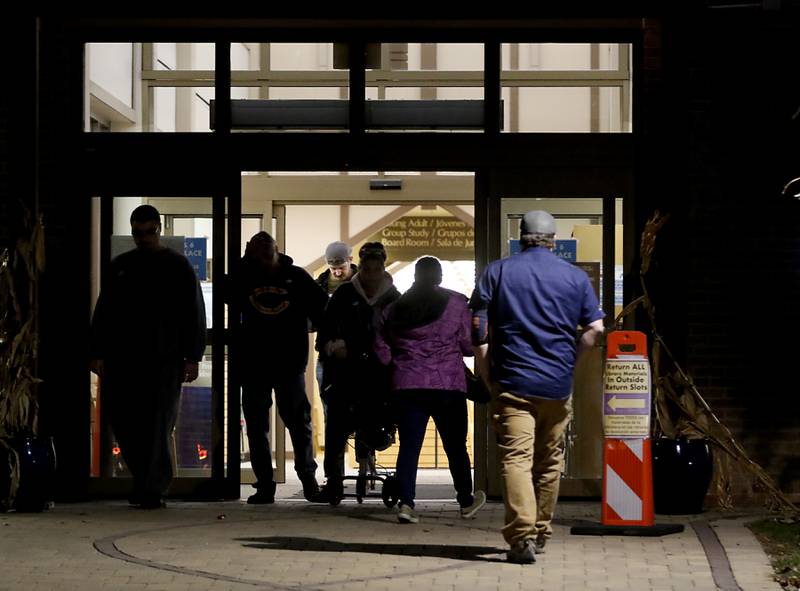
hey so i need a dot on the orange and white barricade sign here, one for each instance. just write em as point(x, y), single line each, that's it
point(627, 465)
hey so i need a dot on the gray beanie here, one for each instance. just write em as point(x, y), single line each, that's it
point(337, 253)
point(537, 222)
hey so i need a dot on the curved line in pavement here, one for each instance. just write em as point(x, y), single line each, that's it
point(108, 547)
point(718, 561)
point(717, 558)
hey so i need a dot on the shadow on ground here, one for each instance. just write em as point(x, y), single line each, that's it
point(300, 544)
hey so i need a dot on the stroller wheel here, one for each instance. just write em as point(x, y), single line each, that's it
point(390, 492)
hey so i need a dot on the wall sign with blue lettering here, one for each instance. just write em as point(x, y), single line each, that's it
point(195, 249)
point(567, 249)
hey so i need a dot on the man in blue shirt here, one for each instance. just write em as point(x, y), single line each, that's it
point(526, 313)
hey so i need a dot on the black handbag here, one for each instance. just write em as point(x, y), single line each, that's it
point(476, 389)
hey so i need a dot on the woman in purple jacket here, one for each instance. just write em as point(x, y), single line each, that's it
point(425, 335)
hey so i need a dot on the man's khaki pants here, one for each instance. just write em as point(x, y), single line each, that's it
point(530, 434)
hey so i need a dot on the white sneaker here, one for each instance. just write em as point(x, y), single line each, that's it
point(406, 514)
point(479, 500)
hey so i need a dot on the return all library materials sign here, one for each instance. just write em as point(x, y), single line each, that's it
point(626, 398)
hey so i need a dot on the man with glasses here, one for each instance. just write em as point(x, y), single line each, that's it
point(148, 337)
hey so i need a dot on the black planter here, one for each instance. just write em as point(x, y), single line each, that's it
point(682, 470)
point(37, 466)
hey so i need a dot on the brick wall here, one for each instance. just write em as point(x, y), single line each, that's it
point(731, 91)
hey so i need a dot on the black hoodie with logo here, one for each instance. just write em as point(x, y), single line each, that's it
point(276, 307)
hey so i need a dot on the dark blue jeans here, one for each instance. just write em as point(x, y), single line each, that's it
point(449, 412)
point(293, 408)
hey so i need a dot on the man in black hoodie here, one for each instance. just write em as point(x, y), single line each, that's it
point(277, 301)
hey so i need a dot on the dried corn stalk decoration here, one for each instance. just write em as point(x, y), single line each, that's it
point(680, 410)
point(20, 266)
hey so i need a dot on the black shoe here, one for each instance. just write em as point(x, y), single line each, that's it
point(152, 503)
point(311, 490)
point(264, 495)
point(261, 497)
point(330, 494)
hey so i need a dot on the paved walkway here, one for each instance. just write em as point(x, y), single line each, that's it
point(295, 545)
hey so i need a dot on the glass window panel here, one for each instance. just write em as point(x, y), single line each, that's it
point(562, 56)
point(111, 68)
point(301, 56)
point(183, 56)
point(433, 93)
point(308, 92)
point(566, 87)
point(182, 109)
point(459, 57)
point(574, 109)
point(579, 220)
point(135, 87)
point(245, 56)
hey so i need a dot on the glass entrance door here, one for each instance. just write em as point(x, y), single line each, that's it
point(590, 235)
point(200, 448)
point(431, 214)
point(580, 240)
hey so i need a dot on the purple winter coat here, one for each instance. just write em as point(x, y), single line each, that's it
point(429, 356)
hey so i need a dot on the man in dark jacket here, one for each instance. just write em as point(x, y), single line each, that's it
point(356, 381)
point(277, 301)
point(339, 257)
point(148, 336)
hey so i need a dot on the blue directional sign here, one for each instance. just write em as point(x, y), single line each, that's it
point(195, 249)
point(567, 249)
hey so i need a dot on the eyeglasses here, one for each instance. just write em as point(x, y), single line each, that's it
point(137, 233)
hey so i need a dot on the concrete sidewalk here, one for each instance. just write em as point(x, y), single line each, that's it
point(296, 545)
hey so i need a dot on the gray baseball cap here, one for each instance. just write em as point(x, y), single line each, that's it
point(537, 222)
point(337, 253)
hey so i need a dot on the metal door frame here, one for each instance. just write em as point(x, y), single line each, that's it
point(219, 484)
point(493, 185)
